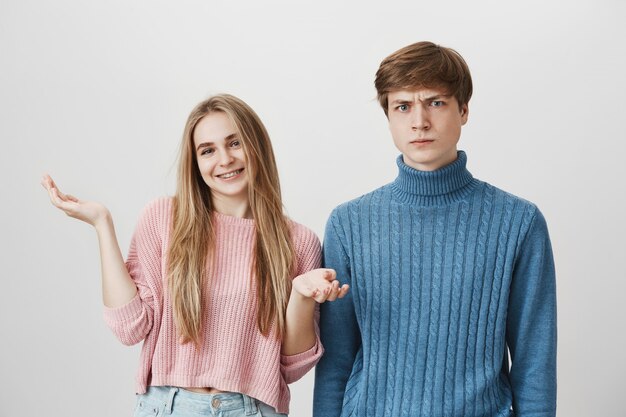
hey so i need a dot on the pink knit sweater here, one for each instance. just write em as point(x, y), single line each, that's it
point(234, 356)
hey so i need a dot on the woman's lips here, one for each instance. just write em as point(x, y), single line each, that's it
point(230, 174)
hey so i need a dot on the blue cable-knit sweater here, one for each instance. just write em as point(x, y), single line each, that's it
point(446, 273)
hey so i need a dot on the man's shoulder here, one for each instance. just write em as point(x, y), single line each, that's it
point(365, 201)
point(508, 199)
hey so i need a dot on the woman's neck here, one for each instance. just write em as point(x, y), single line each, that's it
point(232, 206)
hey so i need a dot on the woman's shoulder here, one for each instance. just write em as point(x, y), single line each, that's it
point(307, 247)
point(304, 240)
point(157, 212)
point(300, 232)
point(159, 205)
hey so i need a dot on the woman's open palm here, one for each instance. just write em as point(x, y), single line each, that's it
point(320, 284)
point(87, 211)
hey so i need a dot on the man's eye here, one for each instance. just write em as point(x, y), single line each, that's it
point(403, 107)
point(436, 103)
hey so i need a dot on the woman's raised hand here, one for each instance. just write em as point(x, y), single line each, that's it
point(320, 284)
point(87, 211)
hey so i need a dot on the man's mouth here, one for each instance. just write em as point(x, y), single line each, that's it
point(230, 174)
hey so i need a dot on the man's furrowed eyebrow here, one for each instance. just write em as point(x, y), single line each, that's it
point(207, 144)
point(436, 97)
point(402, 101)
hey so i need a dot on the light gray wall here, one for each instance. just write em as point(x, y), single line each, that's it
point(96, 93)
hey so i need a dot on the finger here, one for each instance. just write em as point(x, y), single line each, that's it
point(47, 182)
point(334, 291)
point(47, 179)
point(322, 295)
point(329, 274)
point(54, 198)
point(51, 184)
point(305, 290)
point(343, 291)
point(60, 202)
point(340, 294)
point(44, 181)
point(61, 196)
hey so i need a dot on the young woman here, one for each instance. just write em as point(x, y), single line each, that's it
point(208, 284)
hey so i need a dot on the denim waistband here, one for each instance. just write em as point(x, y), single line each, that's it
point(178, 398)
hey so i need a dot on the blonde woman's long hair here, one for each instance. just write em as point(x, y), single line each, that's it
point(193, 240)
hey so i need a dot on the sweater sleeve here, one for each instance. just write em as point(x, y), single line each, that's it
point(531, 325)
point(339, 330)
point(308, 251)
point(133, 321)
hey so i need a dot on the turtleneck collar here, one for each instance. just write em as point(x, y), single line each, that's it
point(442, 186)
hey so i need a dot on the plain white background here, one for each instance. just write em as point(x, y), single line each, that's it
point(97, 93)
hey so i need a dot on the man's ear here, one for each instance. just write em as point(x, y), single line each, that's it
point(464, 113)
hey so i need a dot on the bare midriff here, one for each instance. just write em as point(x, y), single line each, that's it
point(203, 390)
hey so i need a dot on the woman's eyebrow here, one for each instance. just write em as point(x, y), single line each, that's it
point(205, 144)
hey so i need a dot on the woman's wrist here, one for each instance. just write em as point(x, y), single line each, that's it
point(297, 298)
point(103, 221)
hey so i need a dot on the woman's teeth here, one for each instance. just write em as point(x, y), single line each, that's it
point(230, 174)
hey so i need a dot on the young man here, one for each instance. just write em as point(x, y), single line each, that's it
point(449, 275)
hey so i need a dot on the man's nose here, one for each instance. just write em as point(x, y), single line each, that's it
point(419, 118)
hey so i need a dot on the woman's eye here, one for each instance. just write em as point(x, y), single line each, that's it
point(207, 151)
point(235, 144)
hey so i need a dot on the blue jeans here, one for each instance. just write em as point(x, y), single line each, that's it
point(177, 402)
